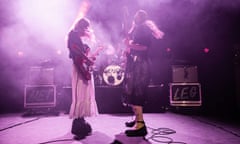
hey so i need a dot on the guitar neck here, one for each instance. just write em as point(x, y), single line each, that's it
point(96, 52)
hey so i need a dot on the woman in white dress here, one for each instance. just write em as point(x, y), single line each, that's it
point(83, 91)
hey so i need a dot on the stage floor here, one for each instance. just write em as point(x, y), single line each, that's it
point(162, 128)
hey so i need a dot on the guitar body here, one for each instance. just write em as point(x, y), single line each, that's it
point(82, 67)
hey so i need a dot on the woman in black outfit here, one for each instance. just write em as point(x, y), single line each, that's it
point(137, 69)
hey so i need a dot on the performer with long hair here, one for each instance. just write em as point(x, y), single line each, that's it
point(137, 69)
point(83, 91)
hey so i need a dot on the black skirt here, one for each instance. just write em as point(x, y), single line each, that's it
point(137, 75)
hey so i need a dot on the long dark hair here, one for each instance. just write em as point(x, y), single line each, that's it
point(81, 25)
point(141, 17)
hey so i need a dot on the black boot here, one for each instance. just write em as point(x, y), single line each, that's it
point(138, 132)
point(80, 128)
point(130, 124)
point(88, 128)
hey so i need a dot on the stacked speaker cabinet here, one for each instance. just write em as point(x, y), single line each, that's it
point(185, 90)
point(40, 91)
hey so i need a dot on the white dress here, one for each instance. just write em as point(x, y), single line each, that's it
point(83, 96)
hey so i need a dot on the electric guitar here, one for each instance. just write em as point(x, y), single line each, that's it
point(84, 62)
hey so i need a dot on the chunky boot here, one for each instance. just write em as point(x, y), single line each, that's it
point(88, 128)
point(130, 124)
point(80, 128)
point(76, 125)
point(137, 132)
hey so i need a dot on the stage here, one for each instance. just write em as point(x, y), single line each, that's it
point(193, 95)
point(165, 127)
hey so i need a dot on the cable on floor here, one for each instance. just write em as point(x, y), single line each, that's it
point(53, 141)
point(159, 135)
point(18, 124)
point(217, 126)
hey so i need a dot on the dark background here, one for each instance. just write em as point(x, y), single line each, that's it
point(189, 27)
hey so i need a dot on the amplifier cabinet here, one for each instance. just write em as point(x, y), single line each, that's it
point(184, 73)
point(39, 96)
point(185, 94)
point(41, 76)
